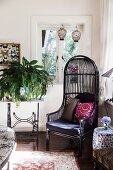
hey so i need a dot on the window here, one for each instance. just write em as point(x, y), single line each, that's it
point(52, 23)
point(56, 53)
point(49, 52)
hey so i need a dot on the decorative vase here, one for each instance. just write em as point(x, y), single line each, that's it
point(106, 126)
point(106, 120)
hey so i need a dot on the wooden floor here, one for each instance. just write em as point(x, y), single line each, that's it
point(60, 144)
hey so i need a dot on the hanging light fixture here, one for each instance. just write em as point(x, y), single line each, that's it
point(62, 32)
point(76, 34)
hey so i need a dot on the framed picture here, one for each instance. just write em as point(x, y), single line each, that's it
point(9, 52)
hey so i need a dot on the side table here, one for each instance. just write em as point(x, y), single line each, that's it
point(103, 148)
point(33, 120)
point(109, 110)
point(102, 138)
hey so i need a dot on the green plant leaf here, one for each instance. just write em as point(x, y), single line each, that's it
point(33, 62)
point(29, 75)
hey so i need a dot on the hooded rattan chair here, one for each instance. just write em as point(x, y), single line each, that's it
point(78, 115)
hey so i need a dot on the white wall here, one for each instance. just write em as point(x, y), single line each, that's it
point(15, 16)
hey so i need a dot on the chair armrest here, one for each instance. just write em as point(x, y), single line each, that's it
point(84, 123)
point(85, 120)
point(55, 115)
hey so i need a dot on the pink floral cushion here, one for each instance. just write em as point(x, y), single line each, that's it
point(83, 110)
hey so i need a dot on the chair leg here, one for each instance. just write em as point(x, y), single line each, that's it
point(37, 140)
point(47, 139)
point(70, 144)
point(80, 146)
point(96, 166)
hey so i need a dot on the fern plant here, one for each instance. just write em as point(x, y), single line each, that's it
point(28, 76)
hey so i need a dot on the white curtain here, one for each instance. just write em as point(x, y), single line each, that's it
point(106, 54)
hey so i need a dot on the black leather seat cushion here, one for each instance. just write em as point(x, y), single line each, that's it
point(63, 126)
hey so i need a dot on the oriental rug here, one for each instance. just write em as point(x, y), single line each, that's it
point(38, 160)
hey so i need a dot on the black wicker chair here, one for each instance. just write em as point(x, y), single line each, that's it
point(81, 85)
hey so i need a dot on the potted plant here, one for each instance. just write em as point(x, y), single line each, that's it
point(23, 80)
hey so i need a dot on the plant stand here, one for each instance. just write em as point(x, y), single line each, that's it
point(33, 120)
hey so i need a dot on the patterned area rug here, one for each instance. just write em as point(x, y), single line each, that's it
point(37, 160)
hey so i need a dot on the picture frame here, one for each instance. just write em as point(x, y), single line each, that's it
point(9, 52)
